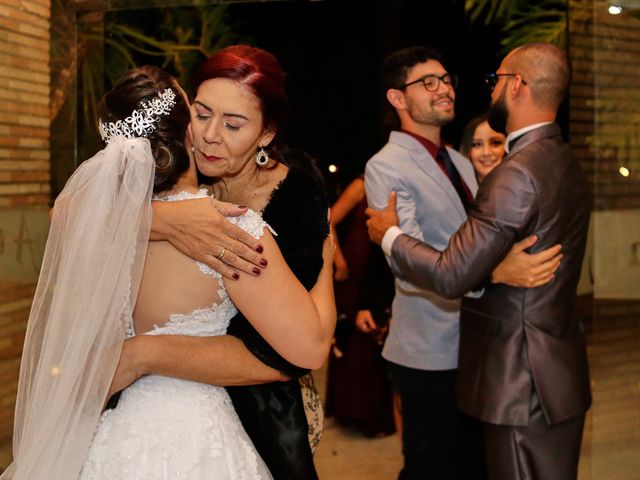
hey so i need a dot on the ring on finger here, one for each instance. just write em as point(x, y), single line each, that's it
point(221, 254)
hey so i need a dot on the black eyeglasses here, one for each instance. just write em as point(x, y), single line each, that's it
point(432, 82)
point(491, 79)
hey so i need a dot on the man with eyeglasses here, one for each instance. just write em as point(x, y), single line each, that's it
point(435, 186)
point(523, 365)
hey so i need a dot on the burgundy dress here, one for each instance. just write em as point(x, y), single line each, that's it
point(358, 390)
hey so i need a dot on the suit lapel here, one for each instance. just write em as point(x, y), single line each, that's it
point(423, 161)
point(550, 130)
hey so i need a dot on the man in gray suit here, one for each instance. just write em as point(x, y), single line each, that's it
point(435, 186)
point(422, 344)
point(523, 365)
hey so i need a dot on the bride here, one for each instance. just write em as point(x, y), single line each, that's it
point(102, 281)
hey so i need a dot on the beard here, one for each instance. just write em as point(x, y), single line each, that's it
point(442, 119)
point(498, 115)
point(430, 117)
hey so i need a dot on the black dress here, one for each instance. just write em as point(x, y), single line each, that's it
point(358, 390)
point(273, 414)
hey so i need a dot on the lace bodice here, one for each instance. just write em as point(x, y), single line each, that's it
point(167, 428)
point(213, 320)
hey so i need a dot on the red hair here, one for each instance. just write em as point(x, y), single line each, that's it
point(256, 69)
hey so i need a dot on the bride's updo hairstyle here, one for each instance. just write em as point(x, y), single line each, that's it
point(258, 71)
point(143, 85)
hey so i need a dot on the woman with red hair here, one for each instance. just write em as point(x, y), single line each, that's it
point(167, 313)
point(236, 113)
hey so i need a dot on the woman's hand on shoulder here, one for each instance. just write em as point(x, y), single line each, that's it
point(199, 229)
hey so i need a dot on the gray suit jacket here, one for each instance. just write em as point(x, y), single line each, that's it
point(514, 340)
point(424, 330)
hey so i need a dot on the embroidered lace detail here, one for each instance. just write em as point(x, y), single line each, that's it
point(168, 428)
point(251, 222)
point(207, 270)
point(177, 197)
point(204, 322)
point(127, 316)
point(202, 193)
point(313, 410)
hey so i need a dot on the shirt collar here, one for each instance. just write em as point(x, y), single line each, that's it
point(518, 133)
point(431, 147)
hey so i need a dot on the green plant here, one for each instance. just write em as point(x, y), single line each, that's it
point(176, 39)
point(522, 21)
point(87, 56)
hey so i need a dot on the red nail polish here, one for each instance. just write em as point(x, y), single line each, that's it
point(256, 270)
point(242, 206)
point(235, 276)
point(259, 249)
point(263, 262)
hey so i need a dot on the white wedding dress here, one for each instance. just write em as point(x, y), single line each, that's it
point(168, 428)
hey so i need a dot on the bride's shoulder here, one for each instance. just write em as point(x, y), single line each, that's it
point(252, 223)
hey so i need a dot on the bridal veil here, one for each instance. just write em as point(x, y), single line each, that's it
point(82, 309)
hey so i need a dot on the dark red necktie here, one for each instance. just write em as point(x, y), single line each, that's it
point(463, 192)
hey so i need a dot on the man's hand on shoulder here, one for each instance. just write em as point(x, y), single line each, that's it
point(381, 220)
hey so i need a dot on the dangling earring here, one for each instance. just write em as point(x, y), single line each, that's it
point(262, 157)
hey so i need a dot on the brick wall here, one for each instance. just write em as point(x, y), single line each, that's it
point(605, 135)
point(605, 101)
point(24, 178)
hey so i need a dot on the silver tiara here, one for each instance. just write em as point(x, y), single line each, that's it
point(142, 121)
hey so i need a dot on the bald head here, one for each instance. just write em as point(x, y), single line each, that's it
point(546, 70)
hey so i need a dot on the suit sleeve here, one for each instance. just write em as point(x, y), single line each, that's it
point(503, 212)
point(380, 179)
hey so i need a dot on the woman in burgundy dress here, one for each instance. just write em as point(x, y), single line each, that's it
point(357, 387)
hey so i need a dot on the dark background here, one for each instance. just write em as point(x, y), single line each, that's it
point(332, 51)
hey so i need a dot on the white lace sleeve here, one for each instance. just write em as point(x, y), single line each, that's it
point(252, 223)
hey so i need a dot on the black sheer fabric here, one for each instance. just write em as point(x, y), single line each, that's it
point(273, 414)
